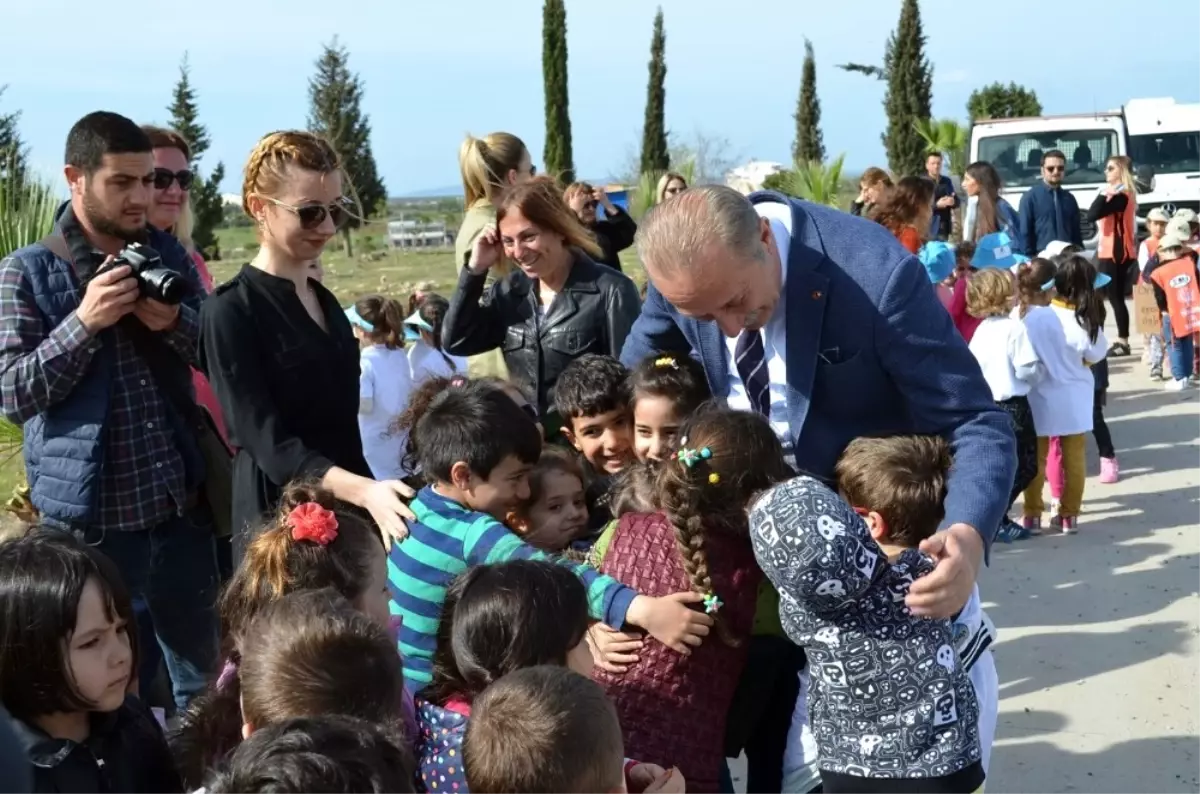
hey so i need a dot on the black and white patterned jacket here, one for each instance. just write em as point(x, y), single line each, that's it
point(890, 698)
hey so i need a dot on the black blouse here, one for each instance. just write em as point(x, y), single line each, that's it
point(288, 389)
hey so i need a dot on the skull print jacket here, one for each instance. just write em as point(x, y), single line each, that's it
point(890, 698)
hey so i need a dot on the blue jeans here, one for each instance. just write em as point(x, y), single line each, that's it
point(1179, 351)
point(171, 573)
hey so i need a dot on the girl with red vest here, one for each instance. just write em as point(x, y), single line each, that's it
point(1176, 283)
point(1115, 210)
point(1156, 223)
point(673, 707)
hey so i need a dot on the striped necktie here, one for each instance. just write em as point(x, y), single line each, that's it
point(750, 359)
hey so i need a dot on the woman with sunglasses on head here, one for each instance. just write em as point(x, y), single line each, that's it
point(556, 307)
point(1114, 211)
point(281, 352)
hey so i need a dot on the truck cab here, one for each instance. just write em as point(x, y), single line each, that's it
point(1015, 148)
point(1164, 142)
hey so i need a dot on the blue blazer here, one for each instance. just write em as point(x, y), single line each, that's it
point(870, 351)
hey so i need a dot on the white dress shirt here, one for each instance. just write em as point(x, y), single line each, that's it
point(774, 336)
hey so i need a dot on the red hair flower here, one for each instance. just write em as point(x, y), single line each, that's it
point(310, 521)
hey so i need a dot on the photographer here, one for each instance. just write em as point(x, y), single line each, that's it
point(96, 339)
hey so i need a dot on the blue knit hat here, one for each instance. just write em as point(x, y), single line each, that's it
point(938, 259)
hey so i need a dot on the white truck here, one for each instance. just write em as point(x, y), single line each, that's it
point(1161, 136)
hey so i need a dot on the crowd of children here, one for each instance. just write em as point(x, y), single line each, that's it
point(579, 613)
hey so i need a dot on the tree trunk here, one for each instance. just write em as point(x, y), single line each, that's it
point(347, 243)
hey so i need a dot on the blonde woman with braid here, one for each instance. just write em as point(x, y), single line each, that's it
point(280, 351)
point(673, 708)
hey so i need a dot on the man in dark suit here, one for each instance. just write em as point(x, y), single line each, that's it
point(945, 200)
point(1049, 213)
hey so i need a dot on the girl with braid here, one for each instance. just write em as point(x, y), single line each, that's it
point(280, 352)
point(673, 707)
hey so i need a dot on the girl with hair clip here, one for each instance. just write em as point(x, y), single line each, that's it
point(314, 542)
point(907, 211)
point(497, 619)
point(664, 390)
point(424, 329)
point(310, 654)
point(68, 660)
point(384, 382)
point(1063, 398)
point(281, 352)
point(673, 708)
point(1114, 211)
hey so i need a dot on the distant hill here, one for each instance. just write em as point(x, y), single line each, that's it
point(433, 192)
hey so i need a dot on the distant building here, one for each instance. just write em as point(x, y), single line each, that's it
point(418, 234)
point(748, 178)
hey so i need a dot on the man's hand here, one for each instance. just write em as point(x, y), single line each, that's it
point(155, 315)
point(958, 551)
point(945, 201)
point(109, 296)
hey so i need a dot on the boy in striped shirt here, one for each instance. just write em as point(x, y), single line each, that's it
point(476, 448)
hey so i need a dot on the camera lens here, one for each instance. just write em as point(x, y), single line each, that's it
point(164, 285)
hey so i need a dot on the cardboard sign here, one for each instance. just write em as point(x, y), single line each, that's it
point(1145, 309)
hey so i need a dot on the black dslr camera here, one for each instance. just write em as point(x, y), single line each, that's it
point(154, 281)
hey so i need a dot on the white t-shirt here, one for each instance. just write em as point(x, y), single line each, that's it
point(1008, 360)
point(384, 384)
point(426, 362)
point(1062, 398)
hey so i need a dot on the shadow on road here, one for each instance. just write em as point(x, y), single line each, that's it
point(1140, 765)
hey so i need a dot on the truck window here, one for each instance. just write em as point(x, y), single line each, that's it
point(1167, 152)
point(1018, 158)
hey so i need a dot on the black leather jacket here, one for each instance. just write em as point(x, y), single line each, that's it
point(592, 314)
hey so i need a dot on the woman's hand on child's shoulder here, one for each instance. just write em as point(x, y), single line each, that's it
point(613, 650)
point(653, 779)
point(671, 621)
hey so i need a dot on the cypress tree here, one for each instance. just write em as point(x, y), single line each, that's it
point(909, 92)
point(335, 97)
point(13, 153)
point(809, 147)
point(655, 156)
point(208, 210)
point(557, 157)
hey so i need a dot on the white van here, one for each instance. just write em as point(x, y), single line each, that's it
point(1015, 147)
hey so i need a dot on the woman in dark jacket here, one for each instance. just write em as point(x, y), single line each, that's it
point(1114, 212)
point(555, 307)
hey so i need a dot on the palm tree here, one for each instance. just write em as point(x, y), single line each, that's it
point(946, 137)
point(819, 183)
point(645, 195)
point(26, 216)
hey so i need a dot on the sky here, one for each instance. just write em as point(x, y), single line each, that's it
point(434, 71)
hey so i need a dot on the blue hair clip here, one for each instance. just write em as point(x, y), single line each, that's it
point(690, 457)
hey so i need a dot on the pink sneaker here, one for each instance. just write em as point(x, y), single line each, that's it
point(1110, 472)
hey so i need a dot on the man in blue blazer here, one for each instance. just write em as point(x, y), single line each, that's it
point(824, 323)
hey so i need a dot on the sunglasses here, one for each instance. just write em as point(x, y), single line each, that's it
point(163, 179)
point(1055, 169)
point(313, 215)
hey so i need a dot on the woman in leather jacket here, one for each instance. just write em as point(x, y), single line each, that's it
point(557, 305)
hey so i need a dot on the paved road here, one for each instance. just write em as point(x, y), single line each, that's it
point(1099, 653)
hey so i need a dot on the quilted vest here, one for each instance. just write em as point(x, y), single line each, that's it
point(672, 707)
point(64, 445)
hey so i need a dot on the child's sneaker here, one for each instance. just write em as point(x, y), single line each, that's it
point(1110, 472)
point(1064, 524)
point(1031, 525)
point(1156, 373)
point(1178, 385)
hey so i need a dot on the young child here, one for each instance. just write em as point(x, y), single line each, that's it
point(548, 729)
point(1173, 274)
point(592, 397)
point(1010, 366)
point(1156, 225)
point(423, 329)
point(1063, 399)
point(555, 515)
point(476, 447)
point(898, 486)
point(67, 659)
point(673, 707)
point(940, 263)
point(664, 390)
point(384, 382)
point(331, 753)
point(843, 600)
point(312, 543)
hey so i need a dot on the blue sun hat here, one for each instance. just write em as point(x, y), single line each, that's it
point(938, 259)
point(358, 322)
point(414, 325)
point(995, 250)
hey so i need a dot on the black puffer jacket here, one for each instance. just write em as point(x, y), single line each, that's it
point(592, 314)
point(126, 753)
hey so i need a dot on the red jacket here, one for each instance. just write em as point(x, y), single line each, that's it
point(673, 707)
